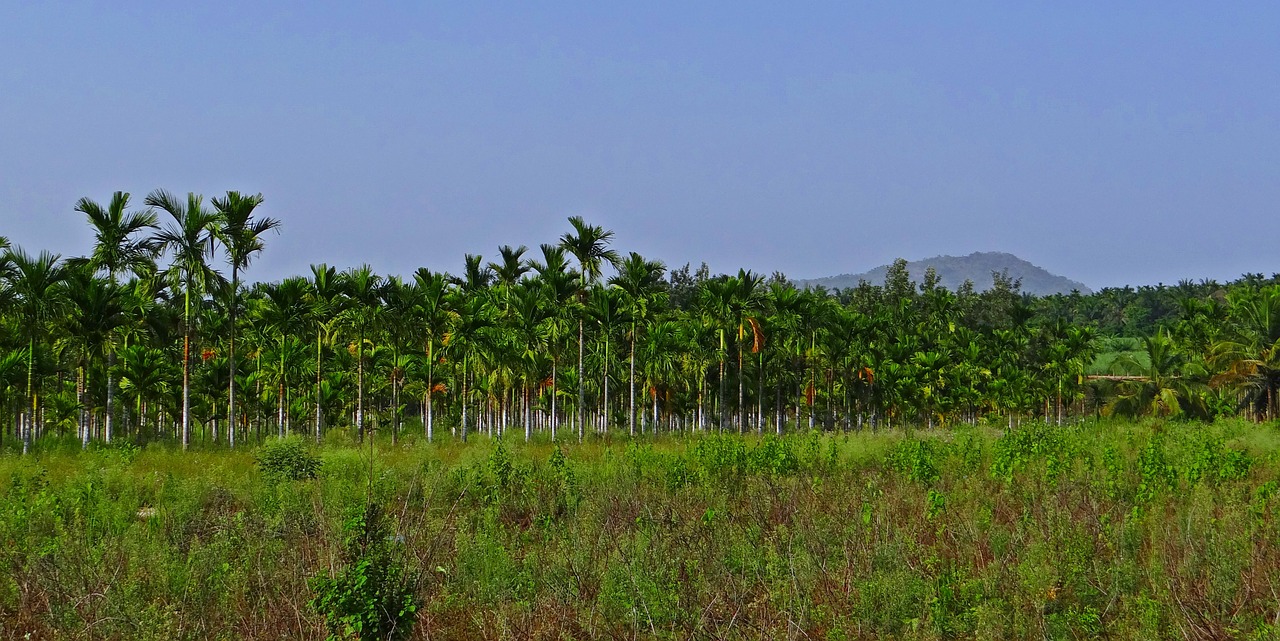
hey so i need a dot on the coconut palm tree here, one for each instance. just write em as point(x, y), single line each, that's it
point(589, 245)
point(1249, 352)
point(189, 239)
point(241, 234)
point(121, 245)
point(1168, 384)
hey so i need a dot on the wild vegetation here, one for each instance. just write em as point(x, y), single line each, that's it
point(581, 444)
point(1112, 529)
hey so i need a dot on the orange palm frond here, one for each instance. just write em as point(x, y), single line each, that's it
point(757, 336)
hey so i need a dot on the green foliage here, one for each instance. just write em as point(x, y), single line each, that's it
point(371, 597)
point(857, 536)
point(918, 459)
point(1213, 462)
point(1155, 473)
point(287, 459)
point(565, 481)
point(1031, 443)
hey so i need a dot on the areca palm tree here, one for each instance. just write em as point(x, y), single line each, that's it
point(325, 298)
point(745, 303)
point(120, 246)
point(434, 317)
point(512, 266)
point(241, 234)
point(284, 315)
point(34, 283)
point(639, 279)
point(527, 315)
point(189, 240)
point(365, 291)
point(606, 308)
point(661, 352)
point(468, 338)
point(715, 307)
point(144, 376)
point(589, 245)
point(95, 311)
point(559, 284)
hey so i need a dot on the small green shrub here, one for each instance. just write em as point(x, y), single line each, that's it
point(1154, 470)
point(1029, 444)
point(288, 459)
point(371, 598)
point(917, 460)
point(1212, 461)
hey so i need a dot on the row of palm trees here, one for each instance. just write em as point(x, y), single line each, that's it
point(573, 339)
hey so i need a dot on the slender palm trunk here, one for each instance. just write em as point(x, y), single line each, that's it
point(280, 394)
point(702, 425)
point(231, 361)
point(760, 397)
point(430, 385)
point(463, 427)
point(582, 404)
point(720, 408)
point(654, 427)
point(186, 369)
point(83, 421)
point(111, 393)
point(777, 399)
point(631, 413)
point(319, 334)
point(604, 422)
point(742, 410)
point(554, 417)
point(360, 386)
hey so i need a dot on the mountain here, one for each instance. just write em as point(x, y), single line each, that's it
point(954, 270)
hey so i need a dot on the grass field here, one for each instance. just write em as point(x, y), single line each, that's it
point(1128, 531)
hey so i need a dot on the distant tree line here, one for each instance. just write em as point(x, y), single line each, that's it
point(154, 335)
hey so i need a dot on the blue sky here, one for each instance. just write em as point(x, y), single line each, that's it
point(1111, 144)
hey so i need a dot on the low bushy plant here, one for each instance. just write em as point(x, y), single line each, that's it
point(287, 459)
point(371, 598)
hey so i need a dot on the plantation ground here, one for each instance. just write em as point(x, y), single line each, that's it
point(1128, 531)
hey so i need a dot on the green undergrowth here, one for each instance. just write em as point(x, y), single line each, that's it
point(1116, 530)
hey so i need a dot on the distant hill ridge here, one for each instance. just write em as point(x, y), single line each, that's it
point(953, 271)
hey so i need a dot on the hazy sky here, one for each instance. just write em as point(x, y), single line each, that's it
point(1108, 144)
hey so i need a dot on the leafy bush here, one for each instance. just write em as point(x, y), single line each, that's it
point(1029, 444)
point(917, 459)
point(288, 459)
point(1213, 461)
point(371, 598)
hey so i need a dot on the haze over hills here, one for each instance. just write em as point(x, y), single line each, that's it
point(953, 271)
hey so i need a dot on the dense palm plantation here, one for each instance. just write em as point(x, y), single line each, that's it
point(147, 338)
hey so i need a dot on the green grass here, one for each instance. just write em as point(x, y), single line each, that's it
point(1130, 531)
